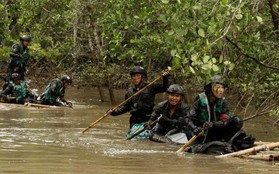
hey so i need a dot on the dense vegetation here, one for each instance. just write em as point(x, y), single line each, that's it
point(97, 40)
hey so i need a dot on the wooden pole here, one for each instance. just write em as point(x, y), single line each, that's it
point(121, 104)
point(250, 150)
point(40, 105)
point(188, 143)
point(266, 157)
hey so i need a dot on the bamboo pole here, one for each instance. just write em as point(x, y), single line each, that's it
point(121, 104)
point(250, 150)
point(261, 142)
point(40, 105)
point(188, 143)
point(265, 157)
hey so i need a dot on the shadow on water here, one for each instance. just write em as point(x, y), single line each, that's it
point(34, 140)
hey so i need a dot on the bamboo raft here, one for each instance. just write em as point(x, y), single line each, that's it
point(28, 105)
point(267, 151)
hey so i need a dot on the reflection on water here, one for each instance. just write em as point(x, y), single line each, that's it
point(36, 140)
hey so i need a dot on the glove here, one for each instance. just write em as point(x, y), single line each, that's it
point(109, 111)
point(197, 130)
point(220, 124)
point(207, 125)
point(148, 125)
point(166, 73)
point(70, 104)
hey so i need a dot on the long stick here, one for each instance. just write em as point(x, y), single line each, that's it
point(250, 150)
point(266, 157)
point(188, 143)
point(40, 105)
point(106, 114)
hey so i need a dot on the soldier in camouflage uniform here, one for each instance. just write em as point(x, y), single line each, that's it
point(56, 90)
point(19, 57)
point(210, 109)
point(17, 92)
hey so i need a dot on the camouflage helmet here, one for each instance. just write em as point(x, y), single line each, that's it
point(138, 70)
point(217, 79)
point(25, 38)
point(67, 79)
point(15, 76)
point(175, 89)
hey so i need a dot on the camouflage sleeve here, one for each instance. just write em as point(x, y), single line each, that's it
point(226, 114)
point(8, 90)
point(52, 87)
point(156, 113)
point(15, 51)
point(194, 111)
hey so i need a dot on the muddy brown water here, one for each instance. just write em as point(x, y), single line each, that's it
point(50, 141)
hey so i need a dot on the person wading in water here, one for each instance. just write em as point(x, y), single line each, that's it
point(141, 106)
point(171, 115)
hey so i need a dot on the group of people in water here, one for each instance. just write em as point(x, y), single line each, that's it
point(15, 90)
point(208, 114)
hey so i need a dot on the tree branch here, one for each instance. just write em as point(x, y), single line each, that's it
point(250, 57)
point(227, 28)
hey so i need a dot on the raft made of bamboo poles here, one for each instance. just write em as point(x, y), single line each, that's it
point(28, 105)
point(268, 151)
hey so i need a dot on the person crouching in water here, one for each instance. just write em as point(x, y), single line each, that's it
point(17, 92)
point(210, 111)
point(170, 115)
point(56, 90)
point(140, 106)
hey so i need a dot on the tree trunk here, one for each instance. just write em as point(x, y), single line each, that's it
point(149, 64)
point(110, 90)
point(274, 15)
point(111, 95)
point(101, 94)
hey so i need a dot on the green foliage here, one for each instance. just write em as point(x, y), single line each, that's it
point(93, 36)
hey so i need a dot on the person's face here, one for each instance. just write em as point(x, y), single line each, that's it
point(65, 84)
point(136, 78)
point(25, 43)
point(218, 90)
point(17, 81)
point(174, 99)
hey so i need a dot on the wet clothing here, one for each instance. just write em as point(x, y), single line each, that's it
point(239, 141)
point(168, 124)
point(208, 111)
point(137, 127)
point(19, 57)
point(217, 113)
point(141, 106)
point(53, 92)
point(20, 93)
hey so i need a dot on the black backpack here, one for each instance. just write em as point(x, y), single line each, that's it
point(213, 148)
point(242, 141)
